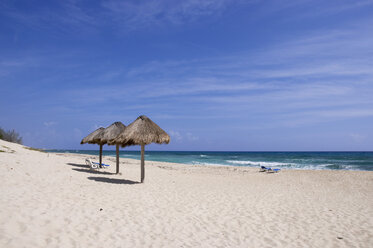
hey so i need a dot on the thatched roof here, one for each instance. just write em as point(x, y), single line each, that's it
point(141, 131)
point(109, 133)
point(90, 138)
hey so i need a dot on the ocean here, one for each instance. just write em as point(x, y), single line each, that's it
point(288, 160)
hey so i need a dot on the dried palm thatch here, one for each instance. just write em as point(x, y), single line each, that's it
point(90, 138)
point(142, 131)
point(110, 133)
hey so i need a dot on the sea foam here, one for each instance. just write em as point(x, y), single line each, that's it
point(259, 163)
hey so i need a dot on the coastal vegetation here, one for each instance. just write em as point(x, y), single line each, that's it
point(34, 149)
point(10, 135)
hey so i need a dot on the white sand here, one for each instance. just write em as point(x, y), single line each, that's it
point(51, 200)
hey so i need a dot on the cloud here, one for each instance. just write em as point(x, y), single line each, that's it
point(50, 123)
point(320, 77)
point(73, 15)
point(175, 135)
point(358, 138)
point(325, 74)
point(156, 12)
point(191, 137)
point(310, 8)
point(59, 15)
point(337, 8)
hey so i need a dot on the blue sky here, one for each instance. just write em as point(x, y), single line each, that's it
point(215, 74)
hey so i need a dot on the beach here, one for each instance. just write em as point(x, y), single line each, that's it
point(55, 200)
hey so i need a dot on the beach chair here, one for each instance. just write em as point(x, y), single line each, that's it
point(94, 165)
point(268, 169)
point(263, 169)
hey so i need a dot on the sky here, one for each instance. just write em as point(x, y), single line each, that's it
point(216, 75)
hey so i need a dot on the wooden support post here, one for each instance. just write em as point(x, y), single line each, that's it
point(142, 163)
point(117, 159)
point(101, 155)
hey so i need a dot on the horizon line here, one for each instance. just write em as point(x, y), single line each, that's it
point(197, 151)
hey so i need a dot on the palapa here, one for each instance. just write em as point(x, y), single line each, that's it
point(91, 139)
point(110, 133)
point(142, 131)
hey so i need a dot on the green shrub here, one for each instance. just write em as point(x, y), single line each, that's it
point(11, 136)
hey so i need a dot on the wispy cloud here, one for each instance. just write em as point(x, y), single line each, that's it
point(311, 8)
point(325, 70)
point(356, 137)
point(60, 16)
point(328, 70)
point(192, 137)
point(175, 135)
point(50, 123)
point(323, 75)
point(335, 7)
point(156, 12)
point(74, 15)
point(128, 15)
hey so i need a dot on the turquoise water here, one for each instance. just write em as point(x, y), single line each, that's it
point(290, 160)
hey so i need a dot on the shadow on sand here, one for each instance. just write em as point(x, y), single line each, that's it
point(112, 180)
point(93, 171)
point(79, 165)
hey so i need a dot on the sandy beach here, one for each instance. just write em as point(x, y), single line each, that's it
point(55, 200)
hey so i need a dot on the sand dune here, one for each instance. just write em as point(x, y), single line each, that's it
point(54, 200)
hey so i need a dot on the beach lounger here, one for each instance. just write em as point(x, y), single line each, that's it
point(268, 169)
point(94, 165)
point(263, 169)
